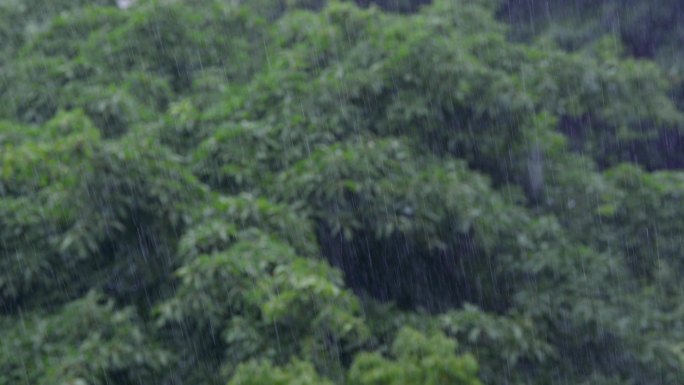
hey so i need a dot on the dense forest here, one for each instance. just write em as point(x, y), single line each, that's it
point(311, 192)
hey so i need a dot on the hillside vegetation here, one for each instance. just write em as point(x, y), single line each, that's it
point(304, 192)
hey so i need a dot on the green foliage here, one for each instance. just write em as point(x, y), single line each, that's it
point(88, 341)
point(612, 29)
point(510, 342)
point(224, 219)
point(645, 218)
point(70, 201)
point(306, 191)
point(234, 158)
point(264, 373)
point(416, 359)
point(373, 196)
point(267, 303)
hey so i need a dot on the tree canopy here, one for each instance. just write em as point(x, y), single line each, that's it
point(294, 192)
